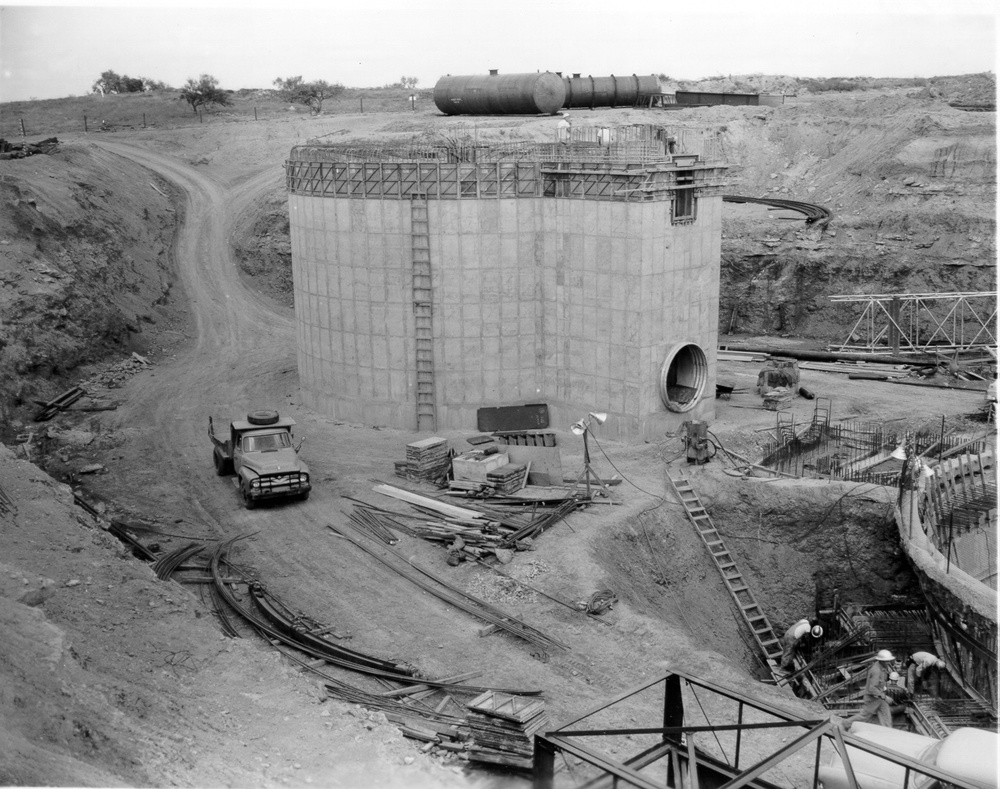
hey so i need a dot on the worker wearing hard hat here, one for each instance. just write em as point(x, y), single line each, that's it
point(795, 640)
point(875, 700)
point(921, 666)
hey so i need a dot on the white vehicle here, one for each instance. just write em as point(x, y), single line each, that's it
point(968, 754)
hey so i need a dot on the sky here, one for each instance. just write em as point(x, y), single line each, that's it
point(54, 51)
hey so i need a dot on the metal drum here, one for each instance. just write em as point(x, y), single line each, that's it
point(500, 94)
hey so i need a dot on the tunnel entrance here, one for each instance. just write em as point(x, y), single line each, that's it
point(683, 377)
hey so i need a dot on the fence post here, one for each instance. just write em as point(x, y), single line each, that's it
point(255, 113)
point(144, 120)
point(22, 128)
point(362, 106)
point(84, 124)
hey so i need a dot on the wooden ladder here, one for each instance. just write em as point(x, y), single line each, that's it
point(752, 613)
point(423, 313)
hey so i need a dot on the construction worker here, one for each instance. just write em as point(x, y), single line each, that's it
point(796, 639)
point(921, 665)
point(875, 700)
point(563, 128)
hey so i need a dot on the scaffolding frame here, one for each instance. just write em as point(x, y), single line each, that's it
point(922, 322)
point(686, 765)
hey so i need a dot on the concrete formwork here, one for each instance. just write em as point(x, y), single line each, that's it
point(561, 280)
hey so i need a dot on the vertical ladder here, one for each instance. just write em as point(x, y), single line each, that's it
point(750, 609)
point(423, 314)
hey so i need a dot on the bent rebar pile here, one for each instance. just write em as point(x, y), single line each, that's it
point(454, 596)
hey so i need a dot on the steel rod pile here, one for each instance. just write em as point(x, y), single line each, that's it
point(271, 623)
point(452, 595)
point(165, 566)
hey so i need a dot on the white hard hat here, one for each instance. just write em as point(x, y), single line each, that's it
point(884, 655)
point(894, 676)
point(817, 631)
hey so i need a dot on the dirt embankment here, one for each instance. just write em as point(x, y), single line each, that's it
point(85, 269)
point(911, 183)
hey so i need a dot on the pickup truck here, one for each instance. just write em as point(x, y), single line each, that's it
point(260, 453)
point(968, 754)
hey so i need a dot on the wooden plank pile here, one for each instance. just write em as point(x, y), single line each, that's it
point(60, 403)
point(507, 479)
point(503, 727)
point(428, 460)
point(482, 529)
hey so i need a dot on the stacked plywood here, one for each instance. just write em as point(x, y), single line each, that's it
point(426, 460)
point(506, 479)
point(503, 727)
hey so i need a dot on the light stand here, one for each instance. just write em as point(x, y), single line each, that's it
point(581, 428)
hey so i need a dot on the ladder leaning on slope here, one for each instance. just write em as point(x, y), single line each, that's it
point(754, 616)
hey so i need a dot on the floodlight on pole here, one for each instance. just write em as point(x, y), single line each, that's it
point(582, 428)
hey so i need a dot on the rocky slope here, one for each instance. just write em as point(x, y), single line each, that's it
point(85, 269)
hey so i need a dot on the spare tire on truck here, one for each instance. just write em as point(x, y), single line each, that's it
point(262, 417)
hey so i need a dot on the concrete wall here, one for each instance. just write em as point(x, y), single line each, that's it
point(570, 302)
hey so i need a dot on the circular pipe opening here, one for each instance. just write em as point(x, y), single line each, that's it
point(683, 377)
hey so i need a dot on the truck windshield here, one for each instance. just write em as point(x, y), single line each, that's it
point(265, 443)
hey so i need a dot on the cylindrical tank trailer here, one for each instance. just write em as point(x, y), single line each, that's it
point(540, 93)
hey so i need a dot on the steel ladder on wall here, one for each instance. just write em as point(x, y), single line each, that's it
point(423, 314)
point(740, 591)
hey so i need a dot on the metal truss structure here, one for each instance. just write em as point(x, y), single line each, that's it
point(677, 754)
point(922, 322)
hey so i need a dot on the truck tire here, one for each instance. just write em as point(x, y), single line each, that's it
point(304, 496)
point(263, 418)
point(248, 502)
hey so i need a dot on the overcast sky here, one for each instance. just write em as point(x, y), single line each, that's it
point(51, 51)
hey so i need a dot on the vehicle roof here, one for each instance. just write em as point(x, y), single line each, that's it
point(907, 743)
point(283, 423)
point(971, 753)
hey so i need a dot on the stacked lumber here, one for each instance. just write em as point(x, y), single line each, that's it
point(507, 479)
point(426, 461)
point(474, 466)
point(503, 727)
point(480, 527)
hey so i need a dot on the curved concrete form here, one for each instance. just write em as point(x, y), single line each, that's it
point(426, 289)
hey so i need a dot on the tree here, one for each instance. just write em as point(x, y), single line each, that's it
point(312, 94)
point(408, 82)
point(108, 82)
point(204, 91)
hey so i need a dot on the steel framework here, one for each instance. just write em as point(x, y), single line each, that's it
point(922, 322)
point(688, 765)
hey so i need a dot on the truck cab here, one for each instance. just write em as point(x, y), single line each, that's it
point(261, 455)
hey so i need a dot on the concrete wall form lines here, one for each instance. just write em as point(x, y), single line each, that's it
point(573, 302)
